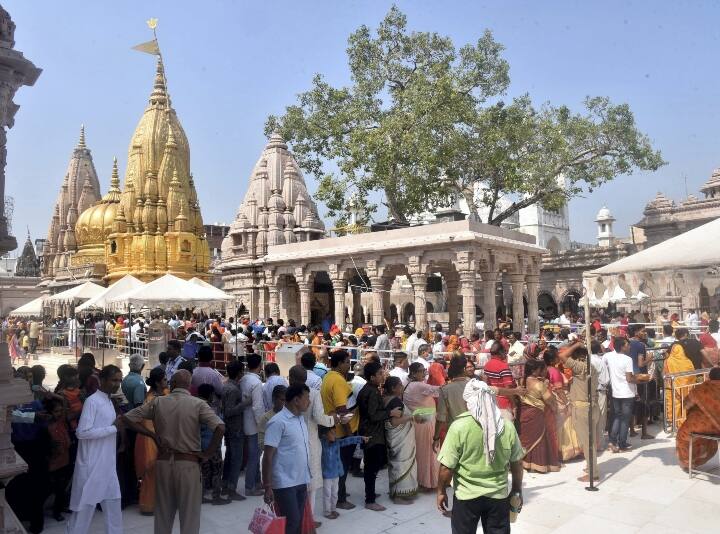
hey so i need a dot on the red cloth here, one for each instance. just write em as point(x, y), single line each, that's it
point(498, 374)
point(436, 374)
point(707, 341)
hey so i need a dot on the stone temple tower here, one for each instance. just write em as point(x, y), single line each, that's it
point(80, 189)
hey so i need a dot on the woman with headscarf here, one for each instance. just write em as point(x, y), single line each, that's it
point(146, 449)
point(400, 438)
point(565, 436)
point(419, 395)
point(537, 415)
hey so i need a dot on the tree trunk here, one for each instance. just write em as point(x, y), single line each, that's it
point(394, 210)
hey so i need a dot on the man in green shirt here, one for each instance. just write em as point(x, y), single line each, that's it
point(479, 450)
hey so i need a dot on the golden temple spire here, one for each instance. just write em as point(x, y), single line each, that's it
point(115, 177)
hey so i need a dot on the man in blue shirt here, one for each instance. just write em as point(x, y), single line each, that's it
point(640, 359)
point(286, 458)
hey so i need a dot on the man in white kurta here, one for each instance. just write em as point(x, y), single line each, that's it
point(95, 478)
point(314, 416)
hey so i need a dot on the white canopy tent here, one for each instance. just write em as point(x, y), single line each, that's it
point(696, 248)
point(671, 271)
point(84, 291)
point(31, 309)
point(211, 288)
point(102, 300)
point(170, 293)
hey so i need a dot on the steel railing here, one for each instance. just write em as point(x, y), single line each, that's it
point(674, 395)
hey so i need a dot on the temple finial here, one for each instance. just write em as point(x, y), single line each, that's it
point(115, 176)
point(81, 141)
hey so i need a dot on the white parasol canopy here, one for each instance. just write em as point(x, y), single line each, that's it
point(101, 301)
point(170, 293)
point(84, 291)
point(30, 309)
point(695, 249)
point(219, 292)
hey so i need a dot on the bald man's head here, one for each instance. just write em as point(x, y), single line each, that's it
point(181, 379)
point(298, 374)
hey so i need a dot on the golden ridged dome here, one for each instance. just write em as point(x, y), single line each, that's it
point(96, 222)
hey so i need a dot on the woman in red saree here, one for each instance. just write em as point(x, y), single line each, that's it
point(537, 421)
point(703, 417)
point(145, 448)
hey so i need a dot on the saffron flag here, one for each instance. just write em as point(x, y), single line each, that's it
point(151, 47)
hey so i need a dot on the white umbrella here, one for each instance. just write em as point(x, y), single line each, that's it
point(101, 301)
point(170, 293)
point(84, 291)
point(30, 309)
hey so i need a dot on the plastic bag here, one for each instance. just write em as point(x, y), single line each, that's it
point(264, 521)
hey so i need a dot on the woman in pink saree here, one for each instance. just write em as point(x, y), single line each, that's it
point(418, 394)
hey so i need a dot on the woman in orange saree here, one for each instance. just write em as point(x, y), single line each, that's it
point(145, 448)
point(703, 417)
point(677, 362)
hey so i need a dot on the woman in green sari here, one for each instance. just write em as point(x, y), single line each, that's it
point(400, 437)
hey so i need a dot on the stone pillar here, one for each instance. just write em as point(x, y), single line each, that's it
point(467, 290)
point(518, 285)
point(305, 290)
point(377, 300)
point(387, 288)
point(262, 303)
point(12, 393)
point(284, 301)
point(339, 297)
point(274, 302)
point(489, 283)
point(356, 307)
point(15, 71)
point(533, 286)
point(452, 304)
point(419, 287)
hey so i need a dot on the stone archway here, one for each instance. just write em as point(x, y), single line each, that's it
point(408, 313)
point(571, 301)
point(547, 305)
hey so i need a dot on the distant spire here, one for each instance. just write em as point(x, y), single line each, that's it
point(81, 142)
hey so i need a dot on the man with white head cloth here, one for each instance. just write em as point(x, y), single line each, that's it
point(479, 450)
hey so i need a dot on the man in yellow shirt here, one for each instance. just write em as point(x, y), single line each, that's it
point(335, 391)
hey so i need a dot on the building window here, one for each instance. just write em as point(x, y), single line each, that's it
point(113, 247)
point(603, 227)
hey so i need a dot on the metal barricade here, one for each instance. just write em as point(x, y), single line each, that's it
point(677, 387)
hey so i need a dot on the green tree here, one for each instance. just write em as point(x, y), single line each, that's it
point(422, 123)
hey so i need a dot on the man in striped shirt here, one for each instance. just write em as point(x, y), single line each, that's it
point(497, 373)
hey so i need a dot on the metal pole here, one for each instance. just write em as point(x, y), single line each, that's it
point(129, 338)
point(591, 426)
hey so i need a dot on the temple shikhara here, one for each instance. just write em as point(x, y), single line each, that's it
point(149, 227)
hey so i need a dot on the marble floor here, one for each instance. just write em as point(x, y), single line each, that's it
point(641, 492)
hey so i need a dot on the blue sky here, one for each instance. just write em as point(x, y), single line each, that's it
point(231, 63)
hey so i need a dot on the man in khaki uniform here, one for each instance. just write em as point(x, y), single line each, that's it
point(177, 418)
point(576, 359)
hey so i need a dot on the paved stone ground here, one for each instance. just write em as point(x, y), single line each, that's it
point(642, 492)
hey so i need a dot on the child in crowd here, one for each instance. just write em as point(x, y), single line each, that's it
point(332, 468)
point(59, 466)
point(69, 388)
point(212, 467)
point(278, 400)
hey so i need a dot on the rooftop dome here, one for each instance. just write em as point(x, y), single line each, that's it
point(604, 215)
point(96, 223)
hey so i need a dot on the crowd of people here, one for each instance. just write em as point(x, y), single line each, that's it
point(435, 408)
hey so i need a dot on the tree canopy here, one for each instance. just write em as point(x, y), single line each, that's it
point(423, 122)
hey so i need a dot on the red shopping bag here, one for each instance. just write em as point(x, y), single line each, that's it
point(276, 526)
